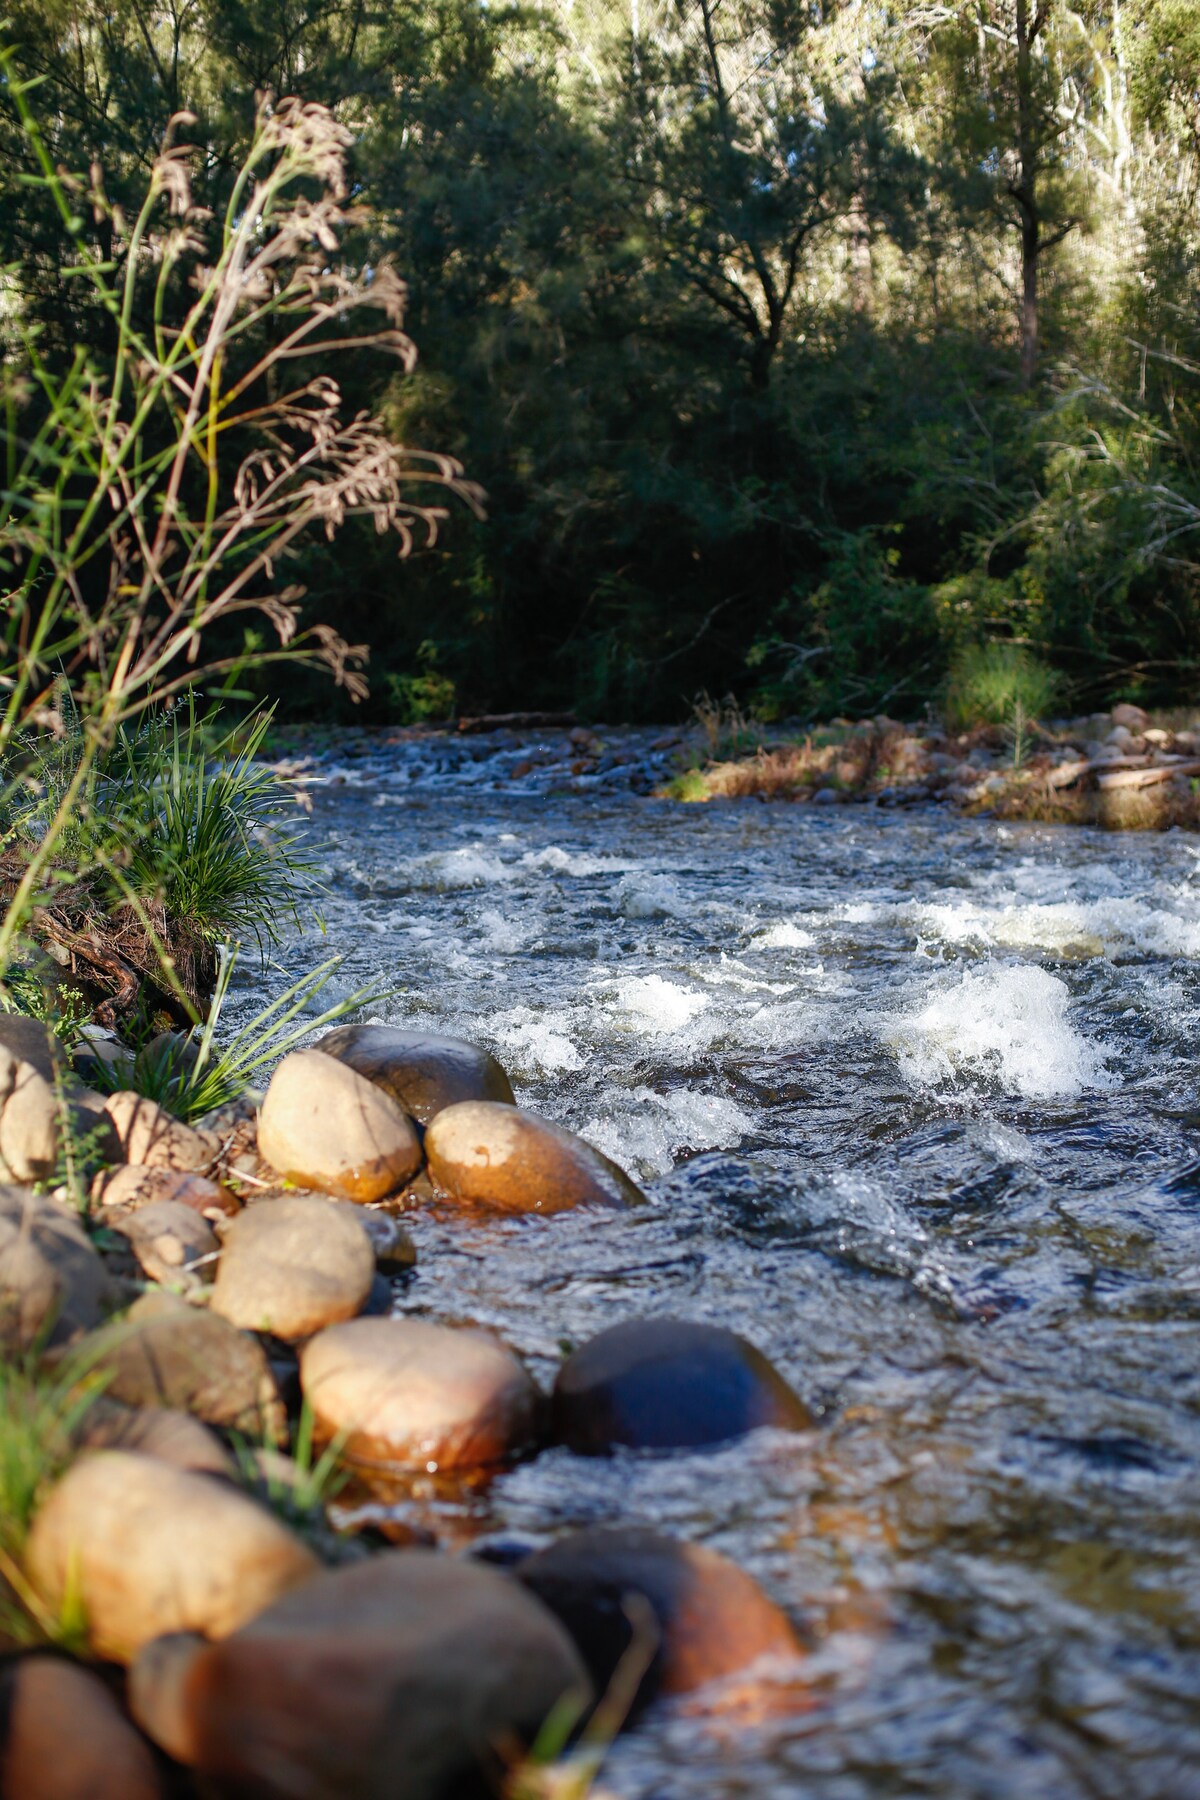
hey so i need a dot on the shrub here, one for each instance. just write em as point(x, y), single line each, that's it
point(989, 682)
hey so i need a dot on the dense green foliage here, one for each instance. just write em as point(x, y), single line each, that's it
point(798, 347)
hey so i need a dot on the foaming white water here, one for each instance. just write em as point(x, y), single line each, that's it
point(533, 1043)
point(469, 867)
point(1083, 928)
point(653, 1005)
point(646, 1131)
point(783, 936)
point(1007, 1026)
point(646, 896)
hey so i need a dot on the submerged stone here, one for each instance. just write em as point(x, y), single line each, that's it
point(423, 1071)
point(667, 1384)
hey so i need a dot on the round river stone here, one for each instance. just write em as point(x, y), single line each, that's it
point(668, 1384)
point(65, 1737)
point(423, 1071)
point(486, 1154)
point(703, 1616)
point(293, 1265)
point(322, 1126)
point(402, 1393)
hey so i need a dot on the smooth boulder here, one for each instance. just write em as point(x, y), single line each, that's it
point(66, 1738)
point(408, 1677)
point(688, 1615)
point(53, 1286)
point(167, 1353)
point(484, 1154)
point(143, 1548)
point(322, 1126)
point(401, 1393)
point(162, 1432)
point(292, 1266)
point(149, 1135)
point(423, 1071)
point(668, 1384)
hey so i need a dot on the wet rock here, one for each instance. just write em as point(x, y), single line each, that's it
point(66, 1738)
point(293, 1265)
point(702, 1617)
point(53, 1286)
point(408, 1677)
point(665, 1384)
point(148, 1134)
point(167, 1353)
point(171, 1242)
point(29, 1041)
point(394, 1249)
point(1131, 717)
point(402, 1393)
point(145, 1549)
point(423, 1071)
point(132, 1185)
point(487, 1154)
point(323, 1126)
point(162, 1432)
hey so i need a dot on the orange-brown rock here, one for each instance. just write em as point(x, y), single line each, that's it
point(143, 1549)
point(293, 1265)
point(401, 1393)
point(66, 1738)
point(322, 1126)
point(132, 1185)
point(668, 1384)
point(163, 1432)
point(703, 1617)
point(167, 1353)
point(486, 1154)
point(423, 1071)
point(412, 1676)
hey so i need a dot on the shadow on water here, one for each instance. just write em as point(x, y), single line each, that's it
point(915, 1100)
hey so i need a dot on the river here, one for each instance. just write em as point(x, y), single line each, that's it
point(915, 1100)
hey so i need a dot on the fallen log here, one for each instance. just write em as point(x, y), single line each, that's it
point(1142, 778)
point(518, 721)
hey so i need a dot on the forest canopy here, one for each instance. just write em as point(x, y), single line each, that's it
point(796, 346)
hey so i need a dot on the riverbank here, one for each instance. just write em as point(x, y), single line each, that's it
point(1123, 770)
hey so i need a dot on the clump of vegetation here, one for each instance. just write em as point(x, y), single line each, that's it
point(993, 682)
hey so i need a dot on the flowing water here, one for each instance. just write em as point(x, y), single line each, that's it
point(915, 1100)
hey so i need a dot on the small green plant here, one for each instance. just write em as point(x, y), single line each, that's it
point(427, 694)
point(726, 730)
point(988, 680)
point(1017, 733)
point(193, 1075)
point(312, 1478)
point(39, 1415)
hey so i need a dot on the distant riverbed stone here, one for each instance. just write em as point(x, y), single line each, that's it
point(423, 1071)
point(708, 1617)
point(322, 1126)
point(131, 1185)
point(65, 1737)
point(53, 1286)
point(412, 1676)
point(293, 1265)
point(149, 1134)
point(167, 1353)
point(172, 1243)
point(665, 1384)
point(401, 1393)
point(486, 1154)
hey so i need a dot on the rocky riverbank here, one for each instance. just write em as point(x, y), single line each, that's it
point(1126, 769)
point(218, 1309)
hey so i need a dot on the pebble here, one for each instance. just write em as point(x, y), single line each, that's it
point(322, 1126)
point(143, 1548)
point(402, 1393)
point(486, 1154)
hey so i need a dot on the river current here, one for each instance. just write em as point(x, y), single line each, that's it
point(916, 1101)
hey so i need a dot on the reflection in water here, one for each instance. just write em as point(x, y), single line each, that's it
point(916, 1103)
